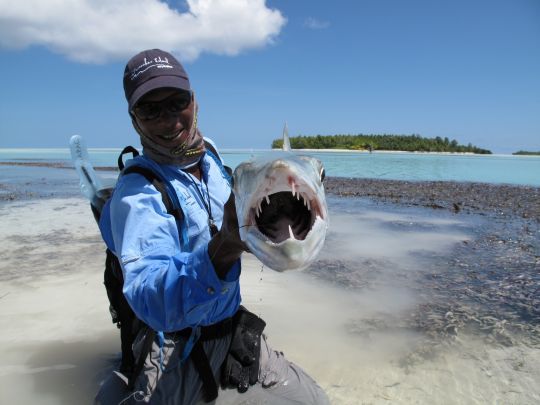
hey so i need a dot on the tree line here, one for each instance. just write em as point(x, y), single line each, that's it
point(526, 153)
point(409, 143)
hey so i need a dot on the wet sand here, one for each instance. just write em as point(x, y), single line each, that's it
point(407, 303)
point(485, 199)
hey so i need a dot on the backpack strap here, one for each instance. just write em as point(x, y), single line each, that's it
point(146, 348)
point(202, 365)
point(160, 186)
point(211, 148)
point(213, 153)
point(125, 151)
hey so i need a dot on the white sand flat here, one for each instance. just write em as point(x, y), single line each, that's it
point(57, 340)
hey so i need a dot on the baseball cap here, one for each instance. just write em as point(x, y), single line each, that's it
point(152, 69)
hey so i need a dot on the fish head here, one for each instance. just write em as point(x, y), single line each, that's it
point(281, 208)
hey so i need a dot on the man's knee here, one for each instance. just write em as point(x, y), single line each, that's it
point(287, 380)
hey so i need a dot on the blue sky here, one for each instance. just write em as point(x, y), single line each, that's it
point(466, 70)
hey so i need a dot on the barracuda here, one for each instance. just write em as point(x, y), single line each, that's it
point(281, 207)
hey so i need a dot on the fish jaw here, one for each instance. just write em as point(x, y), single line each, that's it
point(281, 209)
point(289, 254)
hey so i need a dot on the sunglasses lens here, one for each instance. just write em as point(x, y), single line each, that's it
point(147, 111)
point(174, 104)
point(179, 103)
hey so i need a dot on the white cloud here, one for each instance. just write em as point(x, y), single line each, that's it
point(315, 24)
point(98, 31)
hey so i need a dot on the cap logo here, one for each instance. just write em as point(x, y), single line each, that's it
point(157, 62)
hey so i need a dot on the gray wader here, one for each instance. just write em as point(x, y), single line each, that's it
point(164, 381)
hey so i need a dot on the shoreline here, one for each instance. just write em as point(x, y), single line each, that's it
point(501, 199)
point(249, 150)
point(56, 165)
point(365, 151)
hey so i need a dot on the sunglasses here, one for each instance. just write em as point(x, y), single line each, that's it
point(175, 103)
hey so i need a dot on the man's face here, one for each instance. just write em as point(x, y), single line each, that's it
point(162, 114)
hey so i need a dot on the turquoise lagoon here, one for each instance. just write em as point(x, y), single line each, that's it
point(509, 169)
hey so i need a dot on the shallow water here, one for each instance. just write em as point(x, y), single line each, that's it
point(378, 165)
point(370, 320)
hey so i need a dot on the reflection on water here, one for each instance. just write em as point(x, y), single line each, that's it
point(382, 317)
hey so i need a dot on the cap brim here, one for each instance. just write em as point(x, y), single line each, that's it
point(175, 82)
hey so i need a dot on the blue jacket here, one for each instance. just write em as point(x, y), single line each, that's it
point(168, 284)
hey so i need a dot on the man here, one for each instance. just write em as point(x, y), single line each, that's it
point(182, 279)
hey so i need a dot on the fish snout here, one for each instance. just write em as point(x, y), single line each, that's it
point(280, 164)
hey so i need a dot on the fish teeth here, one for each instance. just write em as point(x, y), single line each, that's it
point(258, 208)
point(293, 186)
point(291, 234)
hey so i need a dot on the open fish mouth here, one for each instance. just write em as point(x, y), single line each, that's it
point(281, 207)
point(285, 214)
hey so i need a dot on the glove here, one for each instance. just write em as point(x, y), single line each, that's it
point(241, 367)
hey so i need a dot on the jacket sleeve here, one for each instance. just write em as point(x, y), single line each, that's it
point(167, 288)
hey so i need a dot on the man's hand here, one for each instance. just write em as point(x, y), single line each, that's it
point(226, 246)
point(229, 227)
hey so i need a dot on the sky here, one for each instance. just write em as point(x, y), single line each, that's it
point(464, 69)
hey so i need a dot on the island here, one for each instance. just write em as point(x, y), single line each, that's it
point(361, 142)
point(526, 153)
